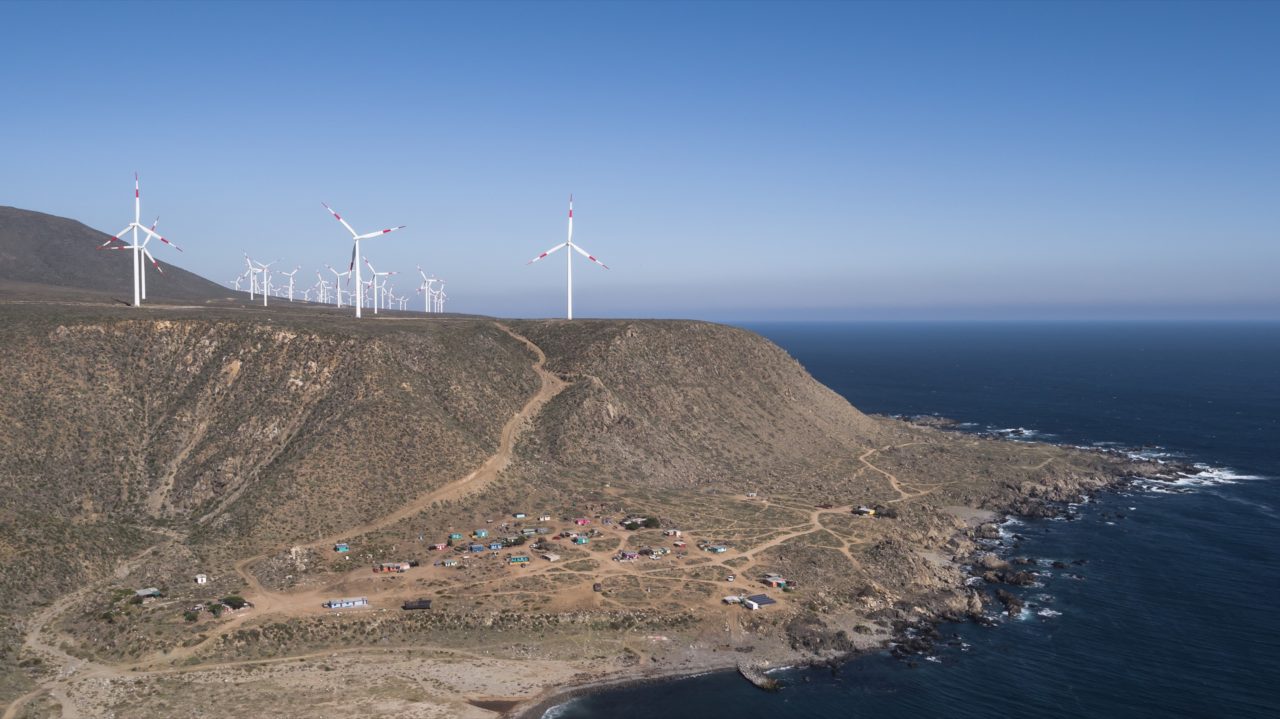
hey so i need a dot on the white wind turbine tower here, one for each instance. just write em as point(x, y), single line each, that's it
point(265, 270)
point(428, 294)
point(337, 287)
point(376, 285)
point(290, 276)
point(139, 249)
point(355, 249)
point(568, 259)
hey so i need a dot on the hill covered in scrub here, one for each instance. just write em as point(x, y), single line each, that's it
point(40, 249)
point(140, 447)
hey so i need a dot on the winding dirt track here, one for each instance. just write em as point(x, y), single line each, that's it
point(36, 642)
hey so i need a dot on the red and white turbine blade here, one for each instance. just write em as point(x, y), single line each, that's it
point(380, 233)
point(352, 266)
point(544, 254)
point(116, 237)
point(153, 260)
point(158, 237)
point(589, 256)
point(339, 219)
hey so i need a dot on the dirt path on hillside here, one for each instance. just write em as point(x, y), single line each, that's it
point(264, 601)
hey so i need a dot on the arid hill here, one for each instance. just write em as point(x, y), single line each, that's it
point(40, 249)
point(142, 446)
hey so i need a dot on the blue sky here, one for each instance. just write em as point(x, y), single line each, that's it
point(730, 161)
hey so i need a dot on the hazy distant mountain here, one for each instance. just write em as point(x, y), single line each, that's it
point(48, 250)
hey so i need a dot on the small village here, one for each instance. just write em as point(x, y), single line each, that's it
point(530, 544)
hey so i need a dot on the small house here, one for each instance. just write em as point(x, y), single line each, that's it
point(671, 533)
point(681, 545)
point(347, 602)
point(482, 533)
point(341, 547)
point(519, 515)
point(717, 549)
point(148, 593)
point(544, 518)
point(756, 601)
point(732, 599)
point(439, 547)
point(542, 530)
point(476, 548)
point(416, 604)
point(521, 559)
point(582, 521)
point(528, 531)
point(202, 579)
point(580, 540)
point(751, 495)
point(455, 535)
point(551, 557)
point(450, 562)
point(627, 555)
point(495, 546)
point(776, 582)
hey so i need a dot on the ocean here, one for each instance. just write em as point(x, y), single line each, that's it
point(1175, 608)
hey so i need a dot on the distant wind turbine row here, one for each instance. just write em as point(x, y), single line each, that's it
point(376, 292)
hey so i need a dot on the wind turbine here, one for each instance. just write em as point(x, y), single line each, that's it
point(139, 249)
point(336, 286)
point(290, 276)
point(568, 256)
point(266, 276)
point(355, 249)
point(376, 275)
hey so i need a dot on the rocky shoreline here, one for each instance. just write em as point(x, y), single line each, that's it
point(918, 637)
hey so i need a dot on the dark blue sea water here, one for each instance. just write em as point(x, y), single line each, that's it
point(1176, 613)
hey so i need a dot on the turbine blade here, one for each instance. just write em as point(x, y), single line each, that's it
point(339, 219)
point(544, 254)
point(352, 266)
point(158, 237)
point(589, 256)
point(116, 238)
point(153, 260)
point(380, 233)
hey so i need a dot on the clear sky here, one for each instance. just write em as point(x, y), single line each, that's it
point(730, 161)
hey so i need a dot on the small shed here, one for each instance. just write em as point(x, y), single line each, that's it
point(580, 540)
point(416, 604)
point(717, 549)
point(582, 521)
point(495, 546)
point(756, 601)
point(865, 511)
point(341, 547)
point(146, 593)
point(439, 547)
point(732, 599)
point(455, 535)
point(476, 548)
point(519, 515)
point(550, 557)
point(450, 562)
point(202, 579)
point(482, 533)
point(347, 602)
point(544, 518)
point(671, 532)
point(520, 559)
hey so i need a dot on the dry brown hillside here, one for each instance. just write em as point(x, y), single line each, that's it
point(244, 442)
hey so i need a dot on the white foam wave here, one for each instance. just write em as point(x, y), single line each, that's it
point(1048, 613)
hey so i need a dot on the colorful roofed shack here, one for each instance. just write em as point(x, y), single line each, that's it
point(450, 563)
point(341, 547)
point(519, 515)
point(476, 548)
point(671, 533)
point(439, 547)
point(396, 567)
point(582, 521)
point(717, 549)
point(495, 546)
point(580, 540)
point(481, 533)
point(455, 535)
point(520, 559)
